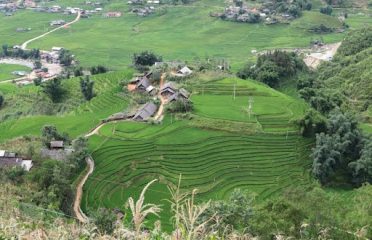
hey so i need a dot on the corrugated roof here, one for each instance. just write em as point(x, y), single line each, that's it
point(145, 112)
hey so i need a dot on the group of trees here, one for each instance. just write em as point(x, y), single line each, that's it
point(98, 69)
point(50, 133)
point(9, 51)
point(86, 86)
point(180, 106)
point(342, 154)
point(326, 10)
point(272, 67)
point(142, 61)
point(65, 57)
point(294, 8)
point(54, 89)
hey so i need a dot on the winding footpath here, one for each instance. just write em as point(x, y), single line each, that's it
point(24, 45)
point(79, 192)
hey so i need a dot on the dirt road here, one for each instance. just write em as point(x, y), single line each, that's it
point(79, 192)
point(159, 114)
point(24, 45)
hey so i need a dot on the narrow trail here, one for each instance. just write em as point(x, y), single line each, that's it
point(24, 45)
point(79, 192)
point(159, 114)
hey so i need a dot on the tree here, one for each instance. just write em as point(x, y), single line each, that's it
point(38, 81)
point(326, 10)
point(86, 86)
point(78, 72)
point(38, 64)
point(312, 123)
point(54, 90)
point(335, 149)
point(49, 133)
point(362, 168)
point(98, 69)
point(233, 213)
point(65, 57)
point(180, 105)
point(104, 219)
point(1, 101)
point(145, 58)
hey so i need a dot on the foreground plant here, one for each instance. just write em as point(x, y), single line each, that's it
point(140, 210)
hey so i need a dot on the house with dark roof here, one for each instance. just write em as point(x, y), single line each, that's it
point(56, 145)
point(143, 83)
point(9, 160)
point(181, 94)
point(168, 89)
point(145, 112)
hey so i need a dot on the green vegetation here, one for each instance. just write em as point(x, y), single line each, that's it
point(344, 82)
point(272, 67)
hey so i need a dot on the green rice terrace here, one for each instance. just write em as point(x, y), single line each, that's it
point(263, 154)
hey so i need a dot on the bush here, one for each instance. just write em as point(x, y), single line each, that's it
point(271, 67)
point(54, 90)
point(180, 106)
point(1, 101)
point(145, 59)
point(326, 10)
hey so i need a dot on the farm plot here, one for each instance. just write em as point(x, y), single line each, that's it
point(214, 162)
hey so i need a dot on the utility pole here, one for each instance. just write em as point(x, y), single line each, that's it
point(250, 106)
point(234, 90)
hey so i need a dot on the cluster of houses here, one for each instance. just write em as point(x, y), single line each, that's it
point(241, 12)
point(10, 159)
point(51, 56)
point(143, 11)
point(8, 7)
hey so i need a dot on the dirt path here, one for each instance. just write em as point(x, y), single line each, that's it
point(79, 192)
point(24, 45)
point(159, 114)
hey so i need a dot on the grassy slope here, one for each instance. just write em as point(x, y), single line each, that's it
point(7, 69)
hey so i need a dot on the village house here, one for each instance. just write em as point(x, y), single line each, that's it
point(145, 112)
point(55, 9)
point(56, 145)
point(181, 94)
point(184, 72)
point(168, 89)
point(112, 14)
point(57, 23)
point(9, 160)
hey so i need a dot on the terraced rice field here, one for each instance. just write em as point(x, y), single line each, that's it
point(128, 155)
point(272, 110)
